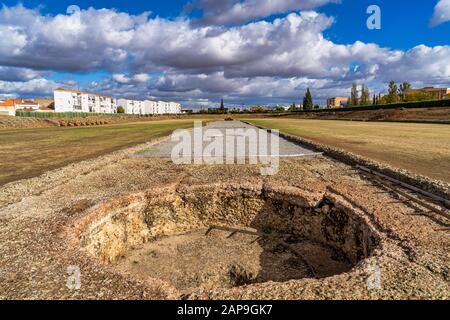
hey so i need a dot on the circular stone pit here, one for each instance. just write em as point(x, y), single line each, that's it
point(160, 234)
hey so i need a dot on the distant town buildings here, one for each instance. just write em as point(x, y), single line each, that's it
point(20, 104)
point(76, 101)
point(437, 93)
point(46, 104)
point(337, 102)
point(10, 106)
point(7, 108)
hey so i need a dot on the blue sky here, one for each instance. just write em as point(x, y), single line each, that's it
point(190, 69)
point(169, 8)
point(405, 23)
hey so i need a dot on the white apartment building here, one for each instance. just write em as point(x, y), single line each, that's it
point(149, 107)
point(163, 107)
point(67, 100)
point(169, 107)
point(175, 108)
point(132, 106)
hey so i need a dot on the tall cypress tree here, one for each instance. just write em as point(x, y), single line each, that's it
point(308, 101)
point(354, 95)
point(365, 95)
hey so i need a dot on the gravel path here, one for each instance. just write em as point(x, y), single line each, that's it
point(220, 129)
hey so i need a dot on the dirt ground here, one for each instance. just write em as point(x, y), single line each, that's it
point(193, 260)
point(38, 249)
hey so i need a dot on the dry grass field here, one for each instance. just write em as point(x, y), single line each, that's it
point(423, 115)
point(27, 153)
point(419, 148)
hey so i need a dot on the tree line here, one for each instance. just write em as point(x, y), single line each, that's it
point(395, 93)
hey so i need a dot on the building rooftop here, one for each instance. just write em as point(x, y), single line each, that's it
point(82, 92)
point(13, 102)
point(6, 104)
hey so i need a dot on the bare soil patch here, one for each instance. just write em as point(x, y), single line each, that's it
point(192, 261)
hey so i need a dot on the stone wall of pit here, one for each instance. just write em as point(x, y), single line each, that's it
point(117, 227)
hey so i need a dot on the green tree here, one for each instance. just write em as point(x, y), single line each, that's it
point(308, 101)
point(365, 95)
point(279, 110)
point(222, 106)
point(293, 108)
point(404, 87)
point(420, 96)
point(120, 109)
point(354, 95)
point(258, 109)
point(393, 93)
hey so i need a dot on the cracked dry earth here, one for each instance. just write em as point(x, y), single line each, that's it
point(102, 215)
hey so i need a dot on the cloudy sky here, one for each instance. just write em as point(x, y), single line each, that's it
point(199, 51)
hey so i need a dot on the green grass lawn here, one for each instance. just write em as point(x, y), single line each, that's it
point(419, 148)
point(27, 153)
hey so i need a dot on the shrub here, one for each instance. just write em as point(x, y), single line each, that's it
point(33, 114)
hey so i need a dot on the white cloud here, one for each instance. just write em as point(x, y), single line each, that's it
point(290, 46)
point(121, 78)
point(126, 79)
point(12, 40)
point(419, 64)
point(141, 77)
point(18, 74)
point(36, 87)
point(237, 11)
point(441, 12)
point(85, 41)
point(176, 59)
